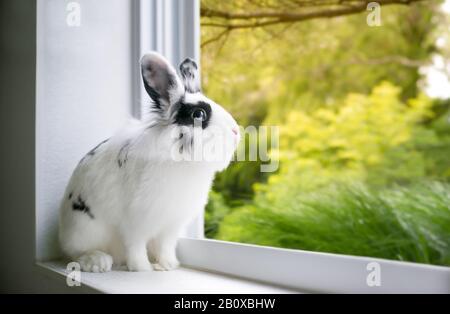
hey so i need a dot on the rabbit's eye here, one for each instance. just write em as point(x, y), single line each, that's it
point(193, 114)
point(199, 114)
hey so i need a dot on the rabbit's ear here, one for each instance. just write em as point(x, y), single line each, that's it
point(160, 80)
point(190, 75)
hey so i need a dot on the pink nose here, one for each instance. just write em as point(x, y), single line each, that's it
point(235, 131)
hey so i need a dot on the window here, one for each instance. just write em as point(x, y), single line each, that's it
point(363, 128)
point(72, 112)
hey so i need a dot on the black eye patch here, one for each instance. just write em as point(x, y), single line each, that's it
point(187, 113)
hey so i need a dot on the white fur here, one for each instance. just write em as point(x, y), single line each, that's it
point(137, 210)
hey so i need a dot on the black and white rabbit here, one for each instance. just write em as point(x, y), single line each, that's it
point(130, 197)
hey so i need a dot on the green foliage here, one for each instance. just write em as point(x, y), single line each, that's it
point(313, 202)
point(215, 211)
point(236, 182)
point(364, 155)
point(368, 137)
point(404, 223)
point(437, 152)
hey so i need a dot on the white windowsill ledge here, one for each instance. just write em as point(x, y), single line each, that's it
point(179, 281)
point(212, 266)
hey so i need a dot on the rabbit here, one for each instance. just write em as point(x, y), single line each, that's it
point(130, 197)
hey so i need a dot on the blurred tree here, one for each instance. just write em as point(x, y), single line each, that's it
point(261, 74)
point(231, 15)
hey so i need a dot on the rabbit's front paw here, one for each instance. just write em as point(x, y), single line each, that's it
point(166, 264)
point(96, 262)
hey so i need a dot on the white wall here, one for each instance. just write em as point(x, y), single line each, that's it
point(17, 158)
point(84, 93)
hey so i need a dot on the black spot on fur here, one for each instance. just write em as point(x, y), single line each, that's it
point(183, 115)
point(122, 157)
point(93, 151)
point(70, 195)
point(81, 206)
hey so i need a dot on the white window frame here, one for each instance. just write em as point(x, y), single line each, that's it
point(172, 27)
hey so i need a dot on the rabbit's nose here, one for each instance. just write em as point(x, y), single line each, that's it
point(235, 131)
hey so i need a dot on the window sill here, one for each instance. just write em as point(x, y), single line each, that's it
point(211, 266)
point(179, 281)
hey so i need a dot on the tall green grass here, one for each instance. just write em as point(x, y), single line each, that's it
point(400, 223)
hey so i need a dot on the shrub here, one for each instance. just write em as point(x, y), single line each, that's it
point(215, 211)
point(402, 223)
